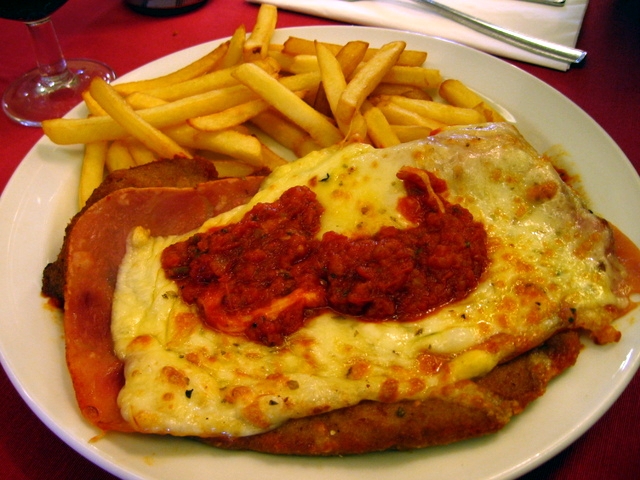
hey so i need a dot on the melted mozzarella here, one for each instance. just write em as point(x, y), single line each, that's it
point(549, 267)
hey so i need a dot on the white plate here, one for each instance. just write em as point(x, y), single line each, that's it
point(40, 198)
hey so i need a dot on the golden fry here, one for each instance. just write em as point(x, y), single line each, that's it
point(232, 168)
point(271, 159)
point(122, 113)
point(285, 133)
point(416, 76)
point(303, 94)
point(297, 64)
point(235, 52)
point(194, 86)
point(408, 91)
point(230, 117)
point(333, 81)
point(68, 131)
point(458, 94)
point(378, 128)
point(141, 101)
point(265, 25)
point(441, 112)
point(92, 105)
point(195, 69)
point(409, 133)
point(366, 79)
point(92, 171)
point(334, 70)
point(140, 153)
point(298, 46)
point(397, 115)
point(290, 105)
point(233, 143)
point(351, 55)
point(118, 156)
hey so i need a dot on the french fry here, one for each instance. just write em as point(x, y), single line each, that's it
point(408, 58)
point(458, 94)
point(141, 101)
point(416, 76)
point(140, 153)
point(271, 159)
point(285, 133)
point(301, 46)
point(92, 171)
point(92, 105)
point(397, 115)
point(378, 128)
point(366, 80)
point(334, 84)
point(265, 25)
point(409, 133)
point(290, 105)
point(233, 143)
point(296, 64)
point(122, 113)
point(208, 82)
point(349, 57)
point(69, 131)
point(333, 80)
point(118, 156)
point(235, 52)
point(302, 94)
point(232, 168)
point(194, 86)
point(297, 46)
point(230, 117)
point(238, 114)
point(441, 112)
point(194, 69)
point(295, 83)
point(408, 91)
point(489, 113)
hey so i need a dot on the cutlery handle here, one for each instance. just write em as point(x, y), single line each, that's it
point(530, 44)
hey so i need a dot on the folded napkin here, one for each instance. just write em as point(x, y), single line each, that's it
point(556, 24)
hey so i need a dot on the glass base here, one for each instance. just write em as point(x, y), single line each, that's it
point(33, 98)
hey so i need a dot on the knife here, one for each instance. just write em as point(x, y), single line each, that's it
point(531, 44)
point(555, 3)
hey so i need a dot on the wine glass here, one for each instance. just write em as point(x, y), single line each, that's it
point(56, 85)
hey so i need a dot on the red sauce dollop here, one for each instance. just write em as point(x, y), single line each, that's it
point(264, 276)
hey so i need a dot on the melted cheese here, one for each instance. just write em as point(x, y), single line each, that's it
point(549, 269)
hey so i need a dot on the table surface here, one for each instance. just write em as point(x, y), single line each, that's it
point(606, 87)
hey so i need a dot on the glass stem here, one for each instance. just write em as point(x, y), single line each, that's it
point(51, 61)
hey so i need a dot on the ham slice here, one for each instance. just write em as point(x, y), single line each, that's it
point(95, 247)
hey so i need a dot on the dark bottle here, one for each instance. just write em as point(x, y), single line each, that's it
point(164, 8)
point(29, 10)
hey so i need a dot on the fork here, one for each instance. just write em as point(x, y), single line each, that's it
point(535, 45)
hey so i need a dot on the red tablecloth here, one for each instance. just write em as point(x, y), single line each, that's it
point(607, 88)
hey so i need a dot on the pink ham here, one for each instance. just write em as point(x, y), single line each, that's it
point(96, 245)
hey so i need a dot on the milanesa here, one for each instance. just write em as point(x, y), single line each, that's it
point(338, 383)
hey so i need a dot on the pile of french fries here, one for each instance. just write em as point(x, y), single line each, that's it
point(302, 94)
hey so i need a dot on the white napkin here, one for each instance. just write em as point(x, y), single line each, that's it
point(556, 24)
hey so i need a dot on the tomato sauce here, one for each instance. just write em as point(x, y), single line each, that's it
point(264, 276)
